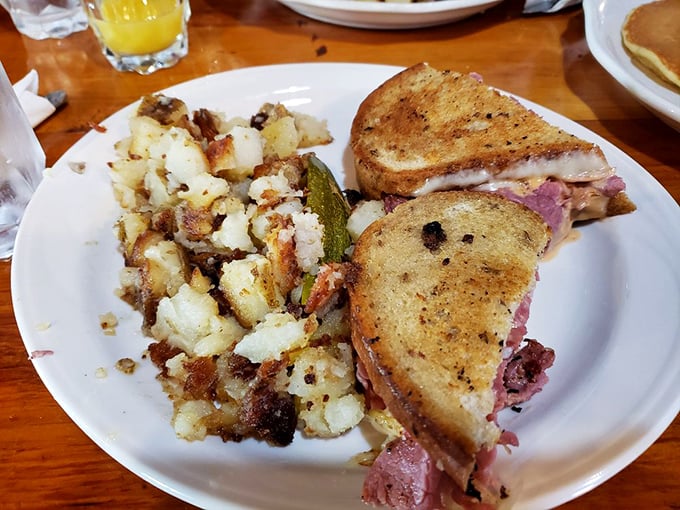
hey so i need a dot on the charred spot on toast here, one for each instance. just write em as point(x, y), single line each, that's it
point(433, 235)
point(472, 491)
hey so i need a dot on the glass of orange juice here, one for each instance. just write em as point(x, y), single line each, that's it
point(140, 35)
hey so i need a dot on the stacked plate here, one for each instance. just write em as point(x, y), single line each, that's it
point(388, 15)
point(604, 19)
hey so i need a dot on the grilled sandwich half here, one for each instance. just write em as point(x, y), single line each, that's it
point(427, 130)
point(435, 301)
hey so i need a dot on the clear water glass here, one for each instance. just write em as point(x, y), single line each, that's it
point(22, 162)
point(46, 19)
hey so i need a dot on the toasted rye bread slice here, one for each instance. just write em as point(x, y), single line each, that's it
point(426, 130)
point(437, 284)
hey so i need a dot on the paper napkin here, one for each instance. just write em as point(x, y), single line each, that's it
point(37, 108)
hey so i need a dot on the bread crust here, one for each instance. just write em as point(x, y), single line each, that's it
point(423, 124)
point(430, 313)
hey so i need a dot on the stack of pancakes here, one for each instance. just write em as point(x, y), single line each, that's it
point(651, 33)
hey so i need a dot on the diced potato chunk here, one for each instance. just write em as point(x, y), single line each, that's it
point(127, 176)
point(277, 333)
point(191, 321)
point(236, 155)
point(145, 132)
point(183, 157)
point(204, 189)
point(311, 131)
point(343, 413)
point(130, 227)
point(250, 288)
point(167, 265)
point(271, 189)
point(324, 382)
point(189, 419)
point(156, 186)
point(234, 232)
point(363, 215)
point(281, 136)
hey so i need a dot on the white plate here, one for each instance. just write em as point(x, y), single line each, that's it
point(603, 22)
point(607, 303)
point(388, 15)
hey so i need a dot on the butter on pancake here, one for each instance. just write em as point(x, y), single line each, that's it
point(651, 33)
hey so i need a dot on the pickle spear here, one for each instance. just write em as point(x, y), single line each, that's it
point(326, 200)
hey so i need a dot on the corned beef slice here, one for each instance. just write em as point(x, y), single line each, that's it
point(403, 477)
point(561, 203)
point(525, 373)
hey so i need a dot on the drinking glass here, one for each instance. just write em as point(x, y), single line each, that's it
point(140, 35)
point(22, 162)
point(44, 19)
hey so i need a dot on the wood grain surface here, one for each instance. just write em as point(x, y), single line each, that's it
point(46, 461)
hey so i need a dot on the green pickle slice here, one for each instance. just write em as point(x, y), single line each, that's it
point(325, 198)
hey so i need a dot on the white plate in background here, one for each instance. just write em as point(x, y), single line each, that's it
point(388, 15)
point(601, 303)
point(603, 22)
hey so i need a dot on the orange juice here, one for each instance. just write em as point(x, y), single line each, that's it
point(137, 27)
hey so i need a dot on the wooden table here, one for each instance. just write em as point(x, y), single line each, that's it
point(45, 460)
